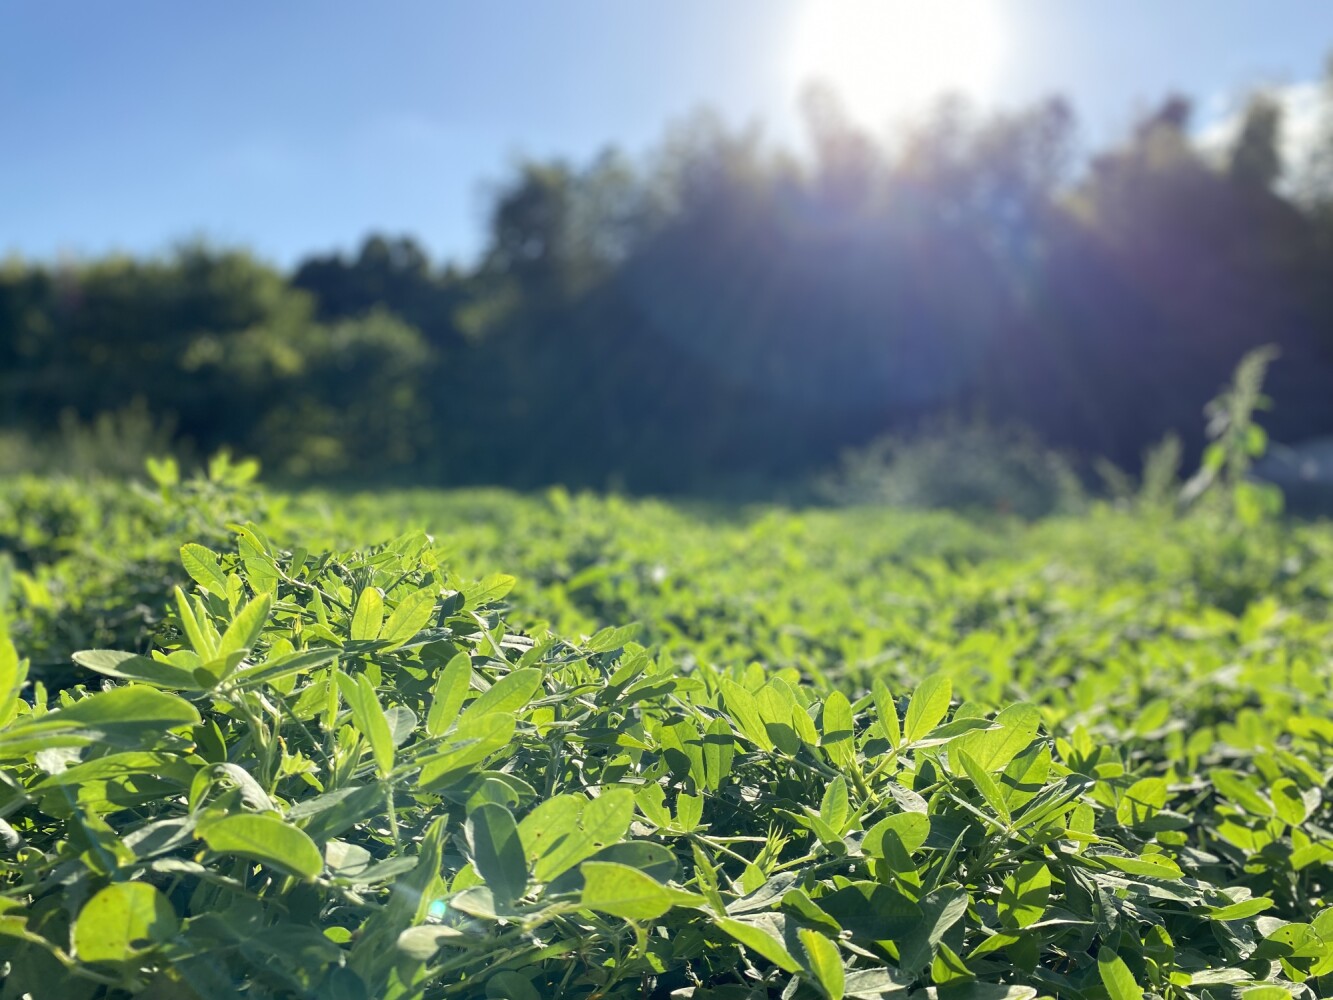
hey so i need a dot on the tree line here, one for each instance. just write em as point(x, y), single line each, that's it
point(724, 311)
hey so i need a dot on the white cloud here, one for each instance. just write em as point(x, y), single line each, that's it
point(1307, 113)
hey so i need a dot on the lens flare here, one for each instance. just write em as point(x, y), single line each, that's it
point(887, 58)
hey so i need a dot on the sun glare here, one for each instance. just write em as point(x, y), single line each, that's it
point(887, 58)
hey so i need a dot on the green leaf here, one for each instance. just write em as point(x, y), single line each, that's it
point(825, 962)
point(467, 748)
point(689, 810)
point(511, 693)
point(940, 910)
point(599, 823)
point(451, 688)
point(993, 749)
point(409, 618)
point(744, 710)
point(1149, 865)
point(201, 641)
point(1288, 801)
point(511, 986)
point(204, 569)
point(245, 628)
point(984, 783)
point(839, 730)
point(1243, 910)
point(897, 836)
point(122, 920)
point(283, 666)
point(489, 590)
point(759, 941)
point(1116, 977)
point(265, 839)
point(548, 824)
point(1236, 788)
point(628, 893)
point(971, 989)
point(132, 667)
point(611, 637)
point(1024, 894)
point(929, 704)
point(1026, 775)
point(369, 718)
point(125, 716)
point(369, 614)
point(718, 751)
point(1141, 802)
point(497, 852)
point(886, 710)
point(12, 675)
point(835, 805)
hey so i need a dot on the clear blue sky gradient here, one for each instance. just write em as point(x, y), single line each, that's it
point(298, 126)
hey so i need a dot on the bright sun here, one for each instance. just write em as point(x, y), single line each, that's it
point(890, 57)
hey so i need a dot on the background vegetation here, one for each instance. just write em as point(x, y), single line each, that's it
point(718, 316)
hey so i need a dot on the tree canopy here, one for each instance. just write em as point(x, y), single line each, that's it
point(722, 310)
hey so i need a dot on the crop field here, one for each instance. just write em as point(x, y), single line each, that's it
point(476, 744)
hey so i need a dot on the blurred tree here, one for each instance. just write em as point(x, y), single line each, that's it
point(392, 273)
point(1256, 155)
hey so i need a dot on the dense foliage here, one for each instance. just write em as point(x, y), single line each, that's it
point(717, 314)
point(842, 754)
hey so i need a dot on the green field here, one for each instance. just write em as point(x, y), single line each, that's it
point(432, 744)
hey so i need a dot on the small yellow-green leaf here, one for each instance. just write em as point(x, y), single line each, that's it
point(839, 730)
point(200, 639)
point(369, 718)
point(451, 687)
point(245, 628)
point(626, 892)
point(409, 618)
point(12, 676)
point(509, 694)
point(1288, 801)
point(887, 710)
point(759, 941)
point(369, 614)
point(1240, 911)
point(204, 569)
point(929, 704)
point(121, 920)
point(825, 962)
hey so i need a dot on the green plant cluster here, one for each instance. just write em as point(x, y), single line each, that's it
point(845, 754)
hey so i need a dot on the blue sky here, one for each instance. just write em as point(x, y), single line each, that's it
point(298, 126)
